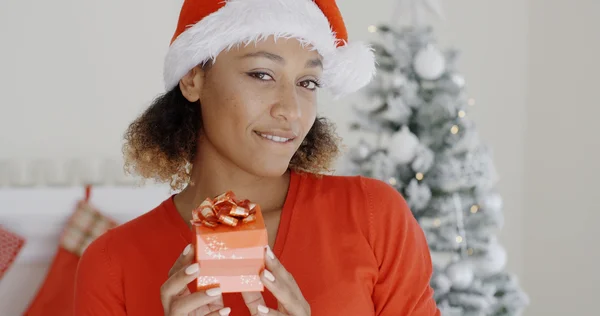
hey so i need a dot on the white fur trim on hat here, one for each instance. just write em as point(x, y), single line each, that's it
point(346, 68)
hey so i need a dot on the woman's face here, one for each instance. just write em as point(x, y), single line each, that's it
point(258, 103)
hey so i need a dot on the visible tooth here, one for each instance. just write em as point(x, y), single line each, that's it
point(275, 138)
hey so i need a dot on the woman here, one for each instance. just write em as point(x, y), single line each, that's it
point(240, 114)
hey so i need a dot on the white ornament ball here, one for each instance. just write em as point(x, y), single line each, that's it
point(361, 151)
point(397, 110)
point(399, 80)
point(460, 274)
point(492, 202)
point(458, 80)
point(442, 283)
point(492, 262)
point(429, 63)
point(403, 146)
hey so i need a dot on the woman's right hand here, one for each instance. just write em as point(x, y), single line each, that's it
point(176, 298)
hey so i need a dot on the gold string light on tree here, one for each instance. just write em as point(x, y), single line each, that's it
point(454, 129)
point(460, 224)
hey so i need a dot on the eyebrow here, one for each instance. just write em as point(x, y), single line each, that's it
point(313, 63)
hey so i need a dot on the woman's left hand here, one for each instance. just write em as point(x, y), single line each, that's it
point(283, 286)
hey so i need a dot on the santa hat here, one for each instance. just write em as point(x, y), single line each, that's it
point(207, 27)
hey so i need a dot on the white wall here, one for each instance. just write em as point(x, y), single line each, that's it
point(74, 74)
point(562, 213)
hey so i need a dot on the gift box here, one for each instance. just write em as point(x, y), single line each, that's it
point(230, 244)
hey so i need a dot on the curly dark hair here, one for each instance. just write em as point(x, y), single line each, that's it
point(161, 143)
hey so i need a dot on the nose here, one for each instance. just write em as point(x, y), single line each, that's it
point(288, 105)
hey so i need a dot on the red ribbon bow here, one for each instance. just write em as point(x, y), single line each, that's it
point(224, 209)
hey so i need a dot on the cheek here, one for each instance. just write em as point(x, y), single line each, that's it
point(229, 111)
point(309, 116)
point(243, 109)
point(215, 113)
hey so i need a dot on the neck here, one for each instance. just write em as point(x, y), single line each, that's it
point(212, 175)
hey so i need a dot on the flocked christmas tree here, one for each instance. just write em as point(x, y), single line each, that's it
point(417, 136)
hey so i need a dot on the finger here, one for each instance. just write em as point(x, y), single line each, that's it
point(213, 306)
point(222, 312)
point(287, 293)
point(177, 283)
point(273, 264)
point(265, 311)
point(278, 279)
point(277, 287)
point(252, 300)
point(218, 312)
point(183, 260)
point(206, 309)
point(199, 300)
point(185, 292)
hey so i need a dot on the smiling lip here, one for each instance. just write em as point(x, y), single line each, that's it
point(277, 136)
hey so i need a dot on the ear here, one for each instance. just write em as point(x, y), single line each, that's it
point(191, 84)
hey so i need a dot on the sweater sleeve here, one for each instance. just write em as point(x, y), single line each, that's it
point(402, 253)
point(98, 283)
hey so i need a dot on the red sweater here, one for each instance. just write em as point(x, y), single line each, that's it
point(351, 244)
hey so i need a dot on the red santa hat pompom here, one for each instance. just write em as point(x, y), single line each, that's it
point(207, 27)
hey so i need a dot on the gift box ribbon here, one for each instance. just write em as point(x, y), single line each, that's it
point(225, 209)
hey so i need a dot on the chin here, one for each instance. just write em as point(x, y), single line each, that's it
point(270, 169)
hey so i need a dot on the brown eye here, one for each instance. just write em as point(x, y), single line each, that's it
point(310, 84)
point(260, 76)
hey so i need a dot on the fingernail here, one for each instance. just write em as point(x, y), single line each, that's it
point(187, 249)
point(225, 311)
point(192, 269)
point(270, 253)
point(263, 309)
point(214, 291)
point(269, 275)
